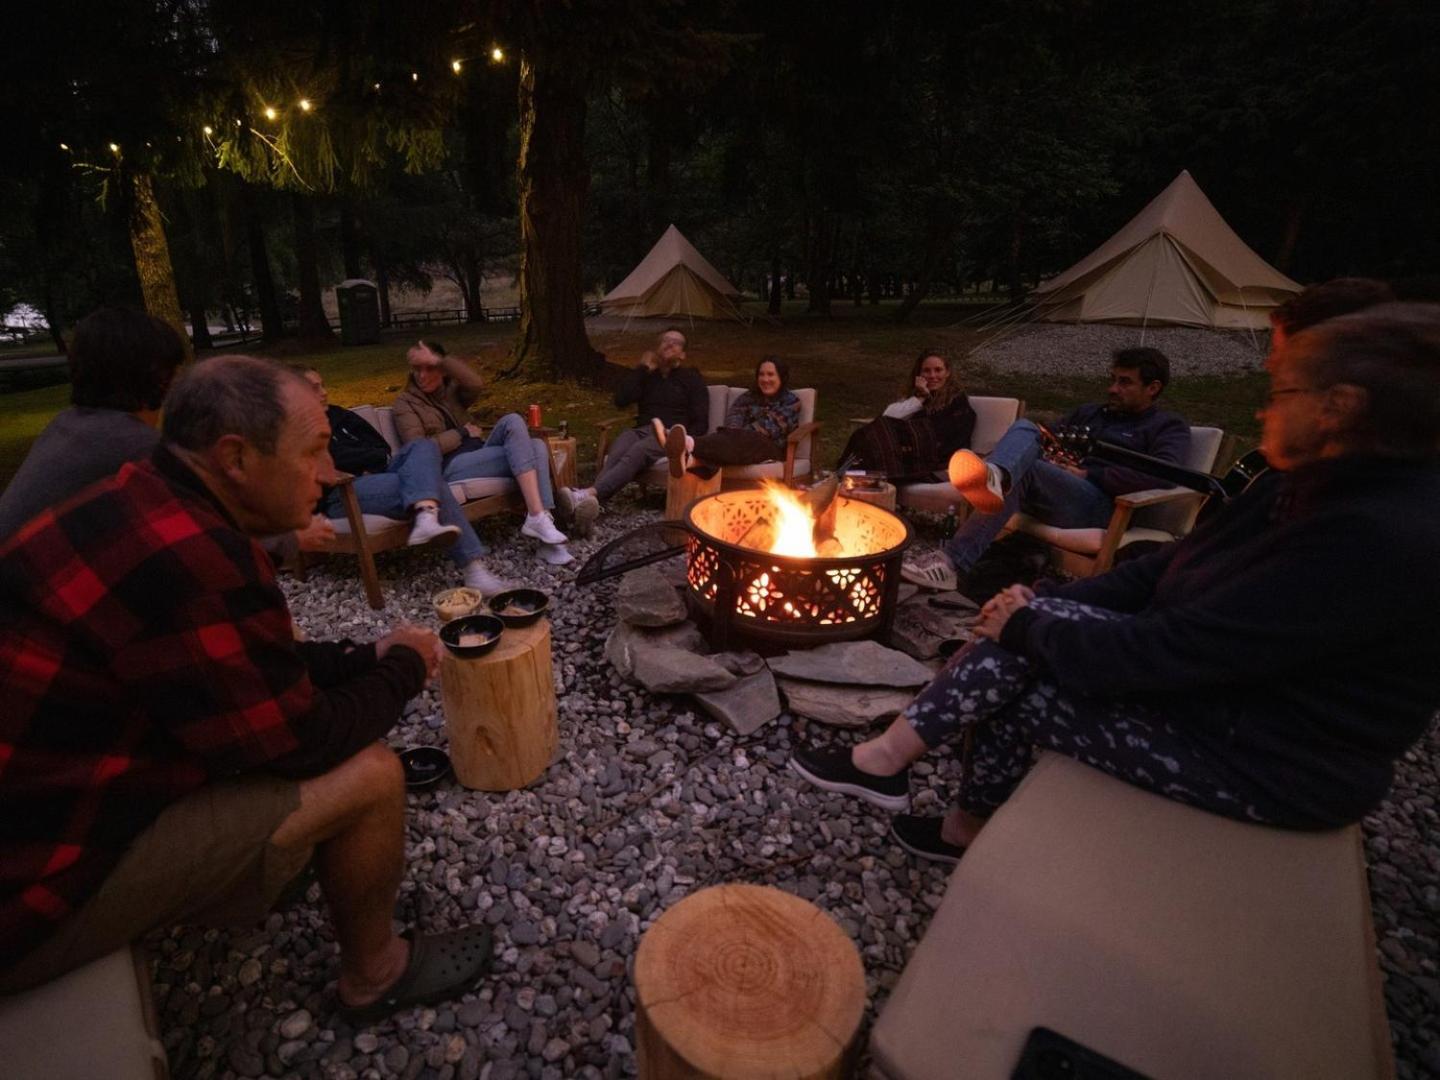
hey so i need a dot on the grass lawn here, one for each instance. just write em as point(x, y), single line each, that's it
point(857, 360)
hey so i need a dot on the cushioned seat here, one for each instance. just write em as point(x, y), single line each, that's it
point(721, 398)
point(993, 417)
point(1177, 942)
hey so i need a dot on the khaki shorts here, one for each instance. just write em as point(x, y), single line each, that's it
point(206, 859)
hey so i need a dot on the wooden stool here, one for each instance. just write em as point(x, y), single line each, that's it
point(882, 494)
point(681, 491)
point(562, 460)
point(743, 981)
point(500, 710)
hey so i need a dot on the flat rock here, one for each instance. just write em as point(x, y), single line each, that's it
point(844, 706)
point(853, 663)
point(752, 702)
point(666, 670)
point(626, 640)
point(921, 626)
point(645, 598)
point(740, 663)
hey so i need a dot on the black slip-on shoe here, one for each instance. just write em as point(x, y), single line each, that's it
point(921, 837)
point(830, 769)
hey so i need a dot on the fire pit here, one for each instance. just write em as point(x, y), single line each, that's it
point(753, 568)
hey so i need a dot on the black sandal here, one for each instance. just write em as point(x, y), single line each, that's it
point(441, 966)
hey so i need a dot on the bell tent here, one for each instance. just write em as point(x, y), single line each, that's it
point(673, 279)
point(1178, 263)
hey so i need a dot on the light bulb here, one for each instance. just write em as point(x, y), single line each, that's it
point(497, 54)
point(209, 130)
point(455, 66)
point(305, 105)
point(270, 113)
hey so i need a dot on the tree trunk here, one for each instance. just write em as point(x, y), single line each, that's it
point(774, 307)
point(382, 284)
point(350, 242)
point(1293, 219)
point(1017, 235)
point(314, 326)
point(474, 311)
point(937, 237)
point(552, 178)
point(272, 326)
point(152, 255)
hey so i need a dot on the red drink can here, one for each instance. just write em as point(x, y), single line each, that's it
point(534, 416)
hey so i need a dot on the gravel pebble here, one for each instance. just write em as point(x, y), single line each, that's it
point(1061, 349)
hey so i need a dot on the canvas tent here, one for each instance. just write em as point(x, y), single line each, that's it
point(1176, 263)
point(674, 279)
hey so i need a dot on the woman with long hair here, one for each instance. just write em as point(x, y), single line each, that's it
point(756, 424)
point(915, 436)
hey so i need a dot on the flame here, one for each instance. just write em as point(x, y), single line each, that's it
point(794, 524)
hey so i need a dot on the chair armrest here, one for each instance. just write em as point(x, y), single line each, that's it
point(860, 421)
point(603, 427)
point(792, 444)
point(1155, 496)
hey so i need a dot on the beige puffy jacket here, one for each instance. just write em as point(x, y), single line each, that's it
point(441, 416)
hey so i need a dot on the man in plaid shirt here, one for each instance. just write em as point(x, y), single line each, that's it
point(168, 751)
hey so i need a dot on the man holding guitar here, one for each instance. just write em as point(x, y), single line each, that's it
point(1068, 494)
point(1270, 667)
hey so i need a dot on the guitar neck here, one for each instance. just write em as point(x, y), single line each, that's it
point(1163, 470)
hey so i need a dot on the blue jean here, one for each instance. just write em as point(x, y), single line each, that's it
point(508, 451)
point(1038, 488)
point(412, 476)
point(1011, 707)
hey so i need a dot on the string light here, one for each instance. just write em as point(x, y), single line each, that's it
point(497, 54)
point(209, 130)
point(64, 147)
point(414, 76)
point(377, 86)
point(270, 113)
point(238, 123)
point(114, 148)
point(455, 66)
point(305, 105)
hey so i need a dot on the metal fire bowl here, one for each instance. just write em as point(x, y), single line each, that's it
point(718, 570)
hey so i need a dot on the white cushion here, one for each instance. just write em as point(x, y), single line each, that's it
point(937, 497)
point(1081, 541)
point(91, 1022)
point(482, 487)
point(993, 417)
point(374, 523)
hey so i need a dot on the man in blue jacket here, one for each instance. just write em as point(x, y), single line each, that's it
point(1269, 667)
point(1014, 477)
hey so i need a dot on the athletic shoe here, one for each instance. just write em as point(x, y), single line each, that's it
point(541, 527)
point(554, 554)
point(830, 769)
point(477, 577)
point(581, 509)
point(428, 530)
point(676, 449)
point(931, 570)
point(921, 837)
point(981, 483)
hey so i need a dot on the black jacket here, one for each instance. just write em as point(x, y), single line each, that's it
point(1293, 634)
point(677, 398)
point(356, 446)
point(1155, 431)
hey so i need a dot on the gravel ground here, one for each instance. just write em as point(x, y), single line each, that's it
point(648, 802)
point(1072, 349)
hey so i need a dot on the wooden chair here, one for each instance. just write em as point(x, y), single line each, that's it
point(799, 447)
point(1157, 515)
point(366, 535)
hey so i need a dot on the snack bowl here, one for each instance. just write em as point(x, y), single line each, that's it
point(471, 635)
point(457, 603)
point(519, 607)
point(424, 766)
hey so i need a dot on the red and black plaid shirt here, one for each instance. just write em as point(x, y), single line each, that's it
point(145, 649)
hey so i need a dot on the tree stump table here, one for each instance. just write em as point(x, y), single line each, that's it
point(878, 494)
point(742, 981)
point(682, 490)
point(500, 710)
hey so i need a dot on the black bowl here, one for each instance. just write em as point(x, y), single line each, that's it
point(530, 604)
point(487, 627)
point(424, 766)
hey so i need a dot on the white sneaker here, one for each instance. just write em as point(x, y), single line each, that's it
point(541, 527)
point(554, 554)
point(580, 507)
point(477, 577)
point(427, 529)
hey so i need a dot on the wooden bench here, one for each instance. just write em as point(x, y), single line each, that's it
point(1178, 943)
point(366, 535)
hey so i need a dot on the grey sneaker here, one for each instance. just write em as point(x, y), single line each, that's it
point(428, 530)
point(478, 577)
point(580, 509)
point(541, 527)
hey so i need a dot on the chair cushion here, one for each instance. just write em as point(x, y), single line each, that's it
point(1081, 541)
point(727, 396)
point(993, 417)
point(374, 524)
point(95, 1021)
point(1177, 942)
point(937, 497)
point(483, 487)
